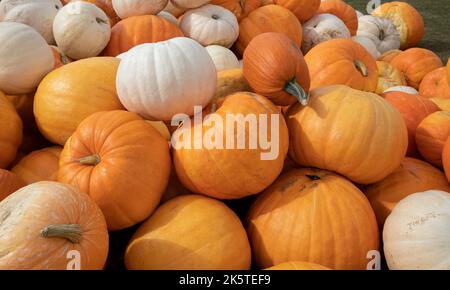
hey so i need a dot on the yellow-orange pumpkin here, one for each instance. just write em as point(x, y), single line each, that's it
point(343, 11)
point(10, 132)
point(442, 103)
point(9, 183)
point(435, 84)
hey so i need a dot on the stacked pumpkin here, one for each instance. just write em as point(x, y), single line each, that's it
point(103, 134)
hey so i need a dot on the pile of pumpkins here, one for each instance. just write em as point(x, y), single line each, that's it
point(89, 91)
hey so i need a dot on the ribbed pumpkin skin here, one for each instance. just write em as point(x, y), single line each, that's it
point(136, 30)
point(9, 182)
point(132, 169)
point(269, 18)
point(10, 132)
point(239, 8)
point(190, 232)
point(412, 176)
point(302, 9)
point(342, 10)
point(413, 109)
point(39, 205)
point(388, 77)
point(346, 131)
point(40, 165)
point(416, 63)
point(431, 135)
point(333, 63)
point(298, 266)
point(435, 85)
point(72, 92)
point(314, 216)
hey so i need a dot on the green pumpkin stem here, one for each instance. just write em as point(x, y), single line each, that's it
point(361, 67)
point(294, 89)
point(93, 160)
point(71, 232)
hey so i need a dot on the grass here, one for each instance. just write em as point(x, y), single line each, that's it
point(436, 14)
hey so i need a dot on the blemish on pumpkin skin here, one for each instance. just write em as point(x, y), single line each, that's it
point(4, 216)
point(422, 220)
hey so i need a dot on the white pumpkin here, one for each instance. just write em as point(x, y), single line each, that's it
point(25, 58)
point(359, 13)
point(7, 5)
point(210, 24)
point(404, 89)
point(322, 27)
point(368, 45)
point(81, 30)
point(222, 57)
point(381, 31)
point(37, 14)
point(169, 17)
point(416, 234)
point(128, 8)
point(189, 4)
point(160, 80)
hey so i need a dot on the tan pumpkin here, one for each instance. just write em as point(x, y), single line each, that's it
point(442, 103)
point(388, 77)
point(229, 82)
point(10, 133)
point(434, 84)
point(9, 183)
point(297, 266)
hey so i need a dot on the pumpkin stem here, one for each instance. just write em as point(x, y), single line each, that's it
point(361, 67)
point(294, 89)
point(313, 177)
point(93, 160)
point(100, 21)
point(71, 232)
point(64, 59)
point(215, 17)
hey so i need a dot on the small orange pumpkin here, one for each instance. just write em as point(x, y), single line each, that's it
point(342, 62)
point(431, 135)
point(388, 56)
point(10, 132)
point(303, 9)
point(415, 63)
point(9, 183)
point(343, 11)
point(435, 84)
point(274, 67)
point(240, 8)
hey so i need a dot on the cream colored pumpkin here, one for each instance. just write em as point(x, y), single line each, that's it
point(25, 58)
point(381, 31)
point(81, 30)
point(169, 16)
point(210, 24)
point(404, 89)
point(222, 57)
point(128, 8)
point(368, 44)
point(320, 28)
point(188, 4)
point(159, 80)
point(359, 13)
point(37, 14)
point(416, 234)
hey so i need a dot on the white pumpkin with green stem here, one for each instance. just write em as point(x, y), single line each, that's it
point(128, 8)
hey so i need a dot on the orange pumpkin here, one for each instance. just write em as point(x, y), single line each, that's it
point(52, 226)
point(24, 107)
point(388, 77)
point(413, 109)
point(9, 183)
point(388, 56)
point(343, 62)
point(60, 58)
point(303, 9)
point(240, 8)
point(315, 216)
point(137, 30)
point(442, 103)
point(415, 63)
point(446, 159)
point(121, 161)
point(10, 132)
point(407, 20)
point(270, 18)
point(40, 165)
point(190, 232)
point(229, 175)
point(435, 84)
point(274, 67)
point(72, 92)
point(343, 11)
point(448, 70)
point(346, 131)
point(412, 176)
point(298, 266)
point(431, 135)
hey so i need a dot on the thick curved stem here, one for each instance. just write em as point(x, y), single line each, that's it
point(70, 232)
point(361, 67)
point(93, 160)
point(294, 89)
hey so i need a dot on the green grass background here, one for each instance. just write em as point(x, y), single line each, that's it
point(436, 14)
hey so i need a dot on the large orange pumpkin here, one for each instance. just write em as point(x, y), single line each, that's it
point(10, 132)
point(303, 9)
point(121, 161)
point(388, 77)
point(274, 67)
point(240, 8)
point(415, 63)
point(49, 225)
point(9, 182)
point(446, 159)
point(298, 266)
point(431, 135)
point(137, 30)
point(315, 216)
point(40, 165)
point(342, 62)
point(343, 11)
point(412, 176)
point(270, 18)
point(72, 92)
point(190, 232)
point(232, 173)
point(346, 131)
point(413, 109)
point(435, 84)
point(406, 19)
